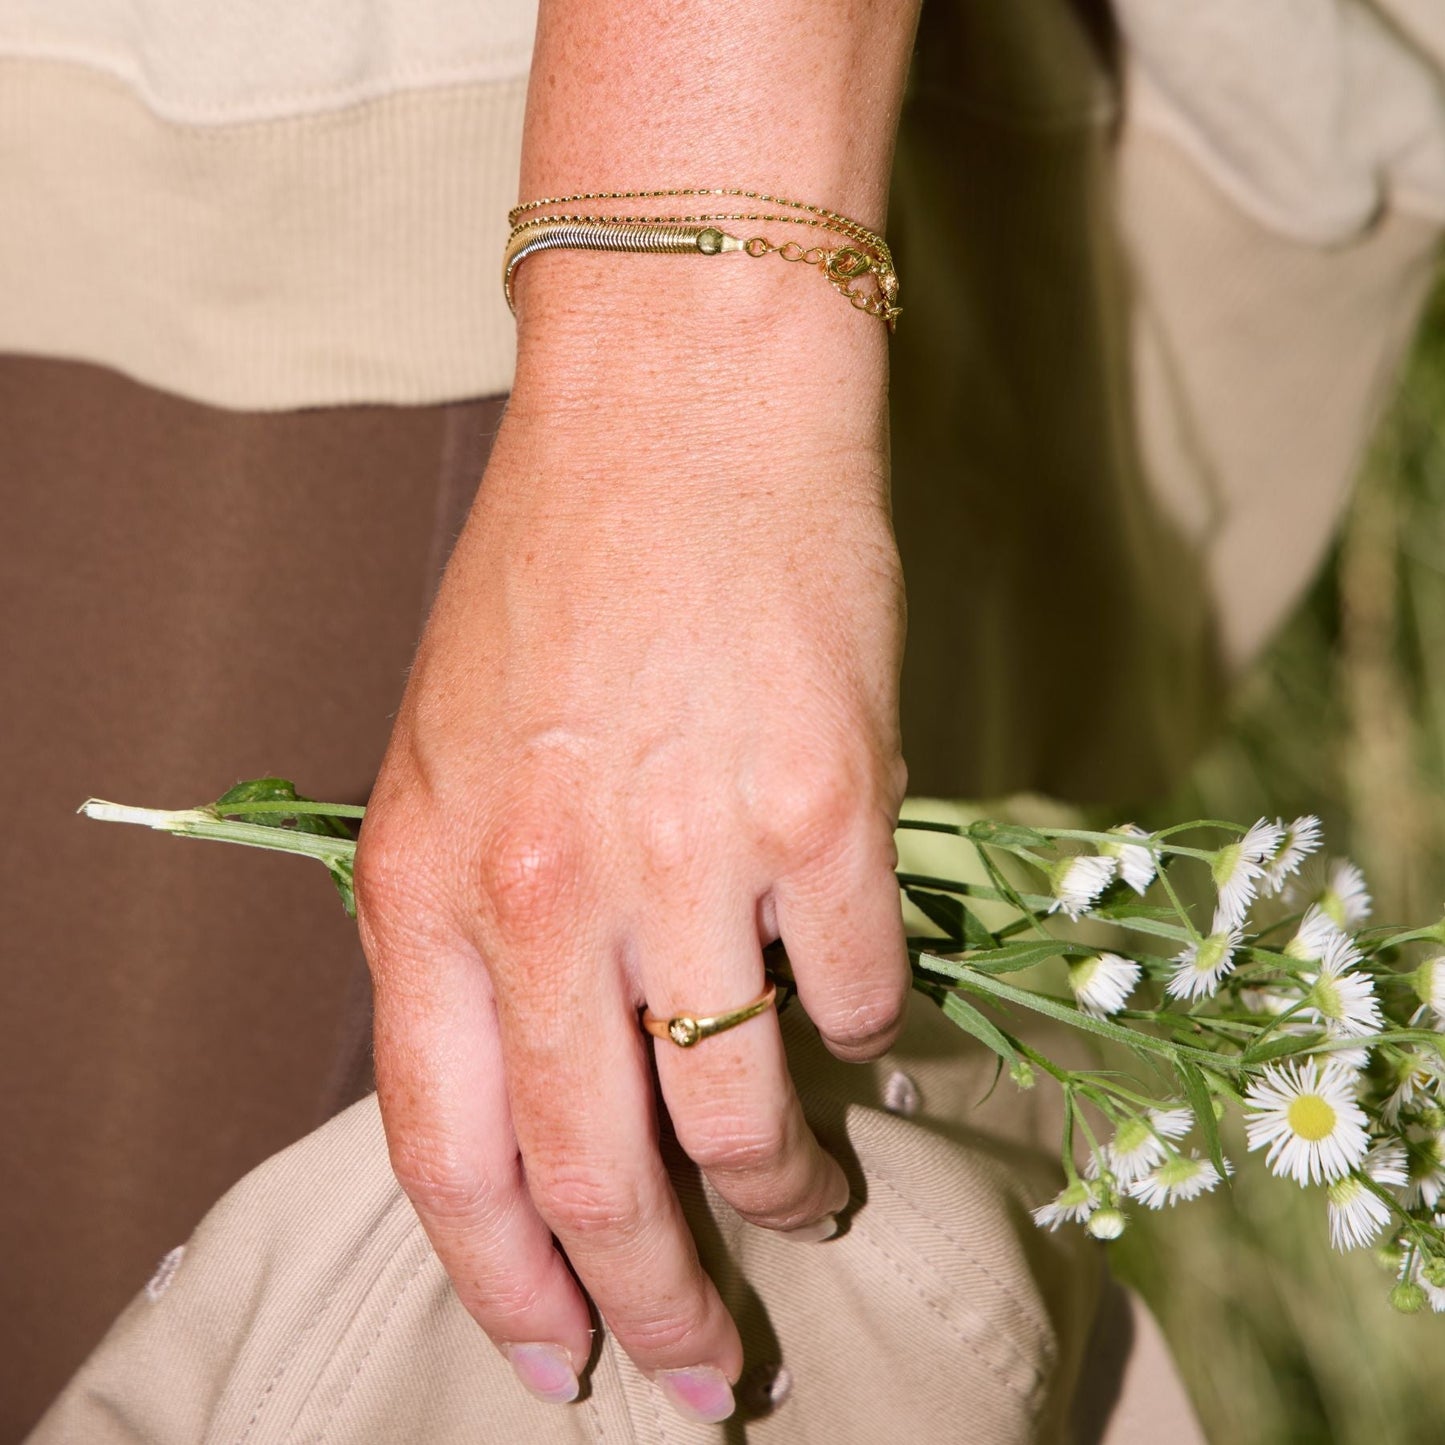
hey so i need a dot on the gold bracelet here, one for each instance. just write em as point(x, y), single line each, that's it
point(867, 253)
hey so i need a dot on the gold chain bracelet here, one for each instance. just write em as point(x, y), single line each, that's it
point(866, 253)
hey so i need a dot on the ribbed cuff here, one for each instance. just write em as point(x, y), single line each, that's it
point(342, 257)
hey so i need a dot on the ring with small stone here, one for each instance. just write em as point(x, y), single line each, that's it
point(685, 1030)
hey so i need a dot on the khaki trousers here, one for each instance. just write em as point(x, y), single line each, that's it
point(1125, 418)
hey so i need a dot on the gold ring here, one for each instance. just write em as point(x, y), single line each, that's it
point(684, 1030)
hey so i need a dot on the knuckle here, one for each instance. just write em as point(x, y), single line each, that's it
point(811, 807)
point(897, 783)
point(585, 1204)
point(661, 1334)
point(395, 867)
point(382, 862)
point(860, 1019)
point(672, 834)
point(529, 868)
point(499, 1302)
point(756, 1147)
point(441, 1186)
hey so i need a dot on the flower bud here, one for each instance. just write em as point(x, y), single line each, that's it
point(1106, 1224)
point(1408, 1297)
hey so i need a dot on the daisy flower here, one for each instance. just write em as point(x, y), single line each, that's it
point(1417, 1077)
point(1238, 868)
point(1102, 985)
point(1387, 1163)
point(1176, 1179)
point(1136, 1148)
point(1074, 1203)
point(1077, 882)
point(1346, 898)
point(1314, 935)
point(1338, 888)
point(1358, 1215)
point(1429, 983)
point(1307, 1115)
point(1426, 1182)
point(1340, 996)
point(1299, 840)
point(1202, 965)
point(1137, 864)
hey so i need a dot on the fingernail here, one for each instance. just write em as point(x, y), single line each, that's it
point(702, 1393)
point(546, 1370)
point(814, 1233)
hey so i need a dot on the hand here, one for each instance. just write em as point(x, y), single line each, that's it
point(652, 726)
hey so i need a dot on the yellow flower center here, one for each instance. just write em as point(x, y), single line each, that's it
point(1312, 1117)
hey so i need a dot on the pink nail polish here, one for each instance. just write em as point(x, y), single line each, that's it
point(701, 1393)
point(814, 1233)
point(546, 1370)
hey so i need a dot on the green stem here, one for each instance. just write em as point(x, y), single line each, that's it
point(295, 806)
point(200, 823)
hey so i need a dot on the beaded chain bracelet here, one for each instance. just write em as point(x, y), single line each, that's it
point(866, 253)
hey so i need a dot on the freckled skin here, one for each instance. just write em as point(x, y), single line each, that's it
point(652, 723)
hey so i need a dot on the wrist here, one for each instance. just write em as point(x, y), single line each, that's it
point(691, 334)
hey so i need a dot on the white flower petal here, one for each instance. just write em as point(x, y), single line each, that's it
point(1177, 1179)
point(1201, 966)
point(1300, 839)
point(1078, 881)
point(1307, 1116)
point(1102, 985)
point(1138, 865)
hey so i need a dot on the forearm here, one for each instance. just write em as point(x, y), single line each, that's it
point(794, 98)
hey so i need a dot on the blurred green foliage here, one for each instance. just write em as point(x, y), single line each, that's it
point(1282, 1341)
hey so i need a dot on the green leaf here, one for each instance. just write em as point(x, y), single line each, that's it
point(1196, 1090)
point(971, 1021)
point(975, 935)
point(957, 922)
point(973, 890)
point(1005, 835)
point(231, 804)
point(939, 909)
point(1066, 1013)
point(1013, 957)
point(1003, 885)
point(342, 871)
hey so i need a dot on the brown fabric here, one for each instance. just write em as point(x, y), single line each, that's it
point(187, 596)
point(185, 590)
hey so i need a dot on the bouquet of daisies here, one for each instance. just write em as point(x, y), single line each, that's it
point(1324, 1032)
